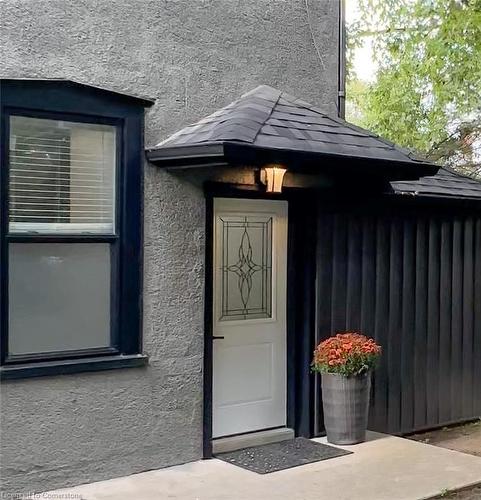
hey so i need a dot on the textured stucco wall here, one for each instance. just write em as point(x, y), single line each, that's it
point(193, 56)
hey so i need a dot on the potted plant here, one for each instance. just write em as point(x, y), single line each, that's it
point(345, 362)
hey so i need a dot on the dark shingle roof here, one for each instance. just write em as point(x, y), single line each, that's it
point(445, 184)
point(271, 119)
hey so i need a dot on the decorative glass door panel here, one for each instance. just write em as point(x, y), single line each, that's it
point(246, 284)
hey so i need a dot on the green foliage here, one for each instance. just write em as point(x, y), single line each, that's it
point(427, 94)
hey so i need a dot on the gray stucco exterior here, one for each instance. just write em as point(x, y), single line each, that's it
point(192, 57)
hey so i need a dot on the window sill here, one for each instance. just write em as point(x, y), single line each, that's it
point(47, 368)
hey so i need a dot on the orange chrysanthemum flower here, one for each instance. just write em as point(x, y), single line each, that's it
point(347, 353)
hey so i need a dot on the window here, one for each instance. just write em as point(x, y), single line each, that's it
point(70, 250)
point(61, 176)
point(61, 181)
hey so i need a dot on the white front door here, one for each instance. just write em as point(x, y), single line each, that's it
point(249, 358)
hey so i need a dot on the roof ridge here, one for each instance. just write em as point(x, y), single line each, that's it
point(311, 107)
point(274, 104)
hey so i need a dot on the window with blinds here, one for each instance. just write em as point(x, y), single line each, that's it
point(61, 176)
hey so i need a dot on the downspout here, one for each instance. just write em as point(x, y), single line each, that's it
point(341, 86)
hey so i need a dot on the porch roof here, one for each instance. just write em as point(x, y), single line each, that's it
point(268, 122)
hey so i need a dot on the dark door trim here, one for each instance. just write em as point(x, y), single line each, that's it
point(301, 265)
point(208, 332)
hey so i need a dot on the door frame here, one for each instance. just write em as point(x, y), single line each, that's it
point(301, 296)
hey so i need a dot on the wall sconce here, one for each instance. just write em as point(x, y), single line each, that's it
point(272, 176)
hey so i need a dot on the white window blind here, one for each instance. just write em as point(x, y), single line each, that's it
point(61, 177)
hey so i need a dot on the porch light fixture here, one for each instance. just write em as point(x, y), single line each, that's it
point(272, 176)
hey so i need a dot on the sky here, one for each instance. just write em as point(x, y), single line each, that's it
point(364, 66)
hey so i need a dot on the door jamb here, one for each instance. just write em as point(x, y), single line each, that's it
point(208, 331)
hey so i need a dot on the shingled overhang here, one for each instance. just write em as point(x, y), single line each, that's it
point(446, 184)
point(267, 125)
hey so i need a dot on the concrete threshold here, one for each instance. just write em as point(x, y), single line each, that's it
point(383, 468)
point(231, 443)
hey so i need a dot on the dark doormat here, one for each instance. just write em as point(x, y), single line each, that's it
point(283, 455)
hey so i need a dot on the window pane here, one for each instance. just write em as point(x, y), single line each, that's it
point(59, 296)
point(61, 176)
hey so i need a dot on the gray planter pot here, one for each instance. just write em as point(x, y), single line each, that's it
point(345, 401)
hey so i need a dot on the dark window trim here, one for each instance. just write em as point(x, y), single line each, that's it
point(60, 355)
point(67, 366)
point(61, 238)
point(61, 115)
point(125, 242)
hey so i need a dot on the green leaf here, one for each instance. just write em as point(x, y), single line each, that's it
point(427, 92)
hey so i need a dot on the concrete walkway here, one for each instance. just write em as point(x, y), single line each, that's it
point(384, 468)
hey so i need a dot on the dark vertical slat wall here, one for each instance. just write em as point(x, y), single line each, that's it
point(301, 314)
point(477, 319)
point(412, 280)
point(433, 293)
point(467, 360)
point(420, 333)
